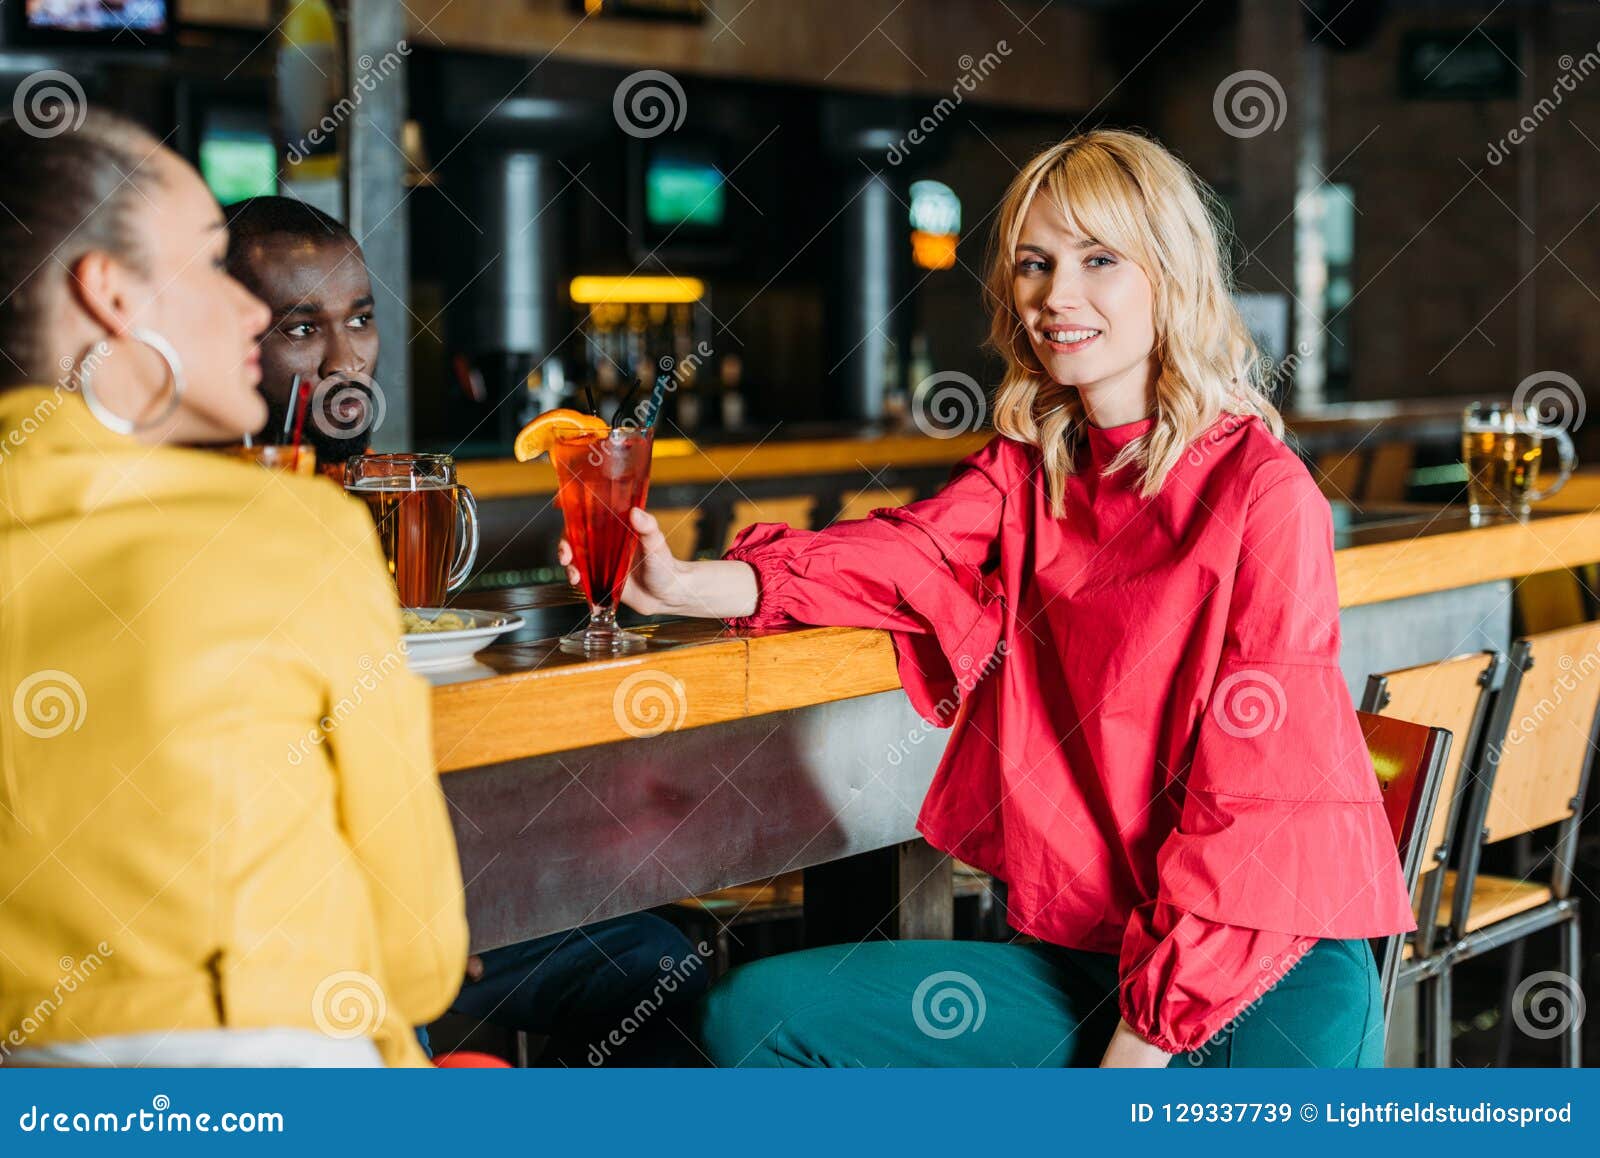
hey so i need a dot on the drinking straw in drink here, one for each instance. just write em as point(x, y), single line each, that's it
point(658, 395)
point(300, 398)
point(623, 405)
point(288, 413)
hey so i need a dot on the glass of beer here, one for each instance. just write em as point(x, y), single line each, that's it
point(1503, 448)
point(427, 522)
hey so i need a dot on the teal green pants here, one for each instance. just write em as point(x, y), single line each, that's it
point(974, 1003)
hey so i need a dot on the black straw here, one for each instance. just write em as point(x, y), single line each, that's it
point(658, 395)
point(623, 405)
point(589, 394)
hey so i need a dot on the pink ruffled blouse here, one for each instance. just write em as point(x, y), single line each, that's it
point(1153, 745)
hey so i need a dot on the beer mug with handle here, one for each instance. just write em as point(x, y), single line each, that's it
point(1503, 449)
point(427, 522)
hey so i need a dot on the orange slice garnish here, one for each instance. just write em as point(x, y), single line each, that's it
point(541, 434)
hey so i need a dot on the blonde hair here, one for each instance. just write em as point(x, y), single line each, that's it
point(1131, 194)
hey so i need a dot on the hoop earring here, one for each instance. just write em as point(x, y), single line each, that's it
point(115, 422)
point(1022, 352)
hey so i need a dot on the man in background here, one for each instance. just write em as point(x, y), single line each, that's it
point(309, 269)
point(576, 987)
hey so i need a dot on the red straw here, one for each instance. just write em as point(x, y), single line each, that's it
point(302, 397)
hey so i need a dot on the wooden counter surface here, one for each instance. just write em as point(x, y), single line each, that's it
point(530, 699)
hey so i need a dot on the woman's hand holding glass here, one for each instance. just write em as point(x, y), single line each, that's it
point(659, 584)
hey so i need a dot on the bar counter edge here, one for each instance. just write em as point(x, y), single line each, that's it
point(712, 675)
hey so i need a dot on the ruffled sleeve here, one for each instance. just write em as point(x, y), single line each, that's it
point(924, 572)
point(1282, 828)
point(1184, 978)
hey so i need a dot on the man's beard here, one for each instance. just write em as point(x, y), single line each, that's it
point(330, 447)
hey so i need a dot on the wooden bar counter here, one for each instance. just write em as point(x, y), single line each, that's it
point(1393, 553)
point(583, 789)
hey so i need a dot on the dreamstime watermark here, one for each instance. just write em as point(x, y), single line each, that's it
point(1268, 977)
point(1556, 399)
point(49, 703)
point(648, 103)
point(1201, 448)
point(18, 434)
point(949, 1004)
point(373, 673)
point(156, 1120)
point(371, 75)
point(73, 974)
point(1275, 374)
point(948, 404)
point(1573, 672)
point(70, 368)
point(967, 678)
point(1573, 72)
point(648, 703)
point(1249, 703)
point(674, 976)
point(674, 374)
point(48, 103)
point(348, 1004)
point(347, 405)
point(1547, 1004)
point(973, 73)
point(1249, 103)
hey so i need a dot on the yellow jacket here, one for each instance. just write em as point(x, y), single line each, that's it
point(218, 805)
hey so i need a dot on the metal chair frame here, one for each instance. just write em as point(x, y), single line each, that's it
point(1411, 840)
point(1450, 942)
point(1561, 910)
point(1428, 962)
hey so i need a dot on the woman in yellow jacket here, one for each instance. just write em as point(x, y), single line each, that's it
point(221, 836)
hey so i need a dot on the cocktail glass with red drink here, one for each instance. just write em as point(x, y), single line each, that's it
point(600, 478)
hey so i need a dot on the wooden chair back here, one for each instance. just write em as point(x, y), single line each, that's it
point(1542, 762)
point(1454, 694)
point(1408, 760)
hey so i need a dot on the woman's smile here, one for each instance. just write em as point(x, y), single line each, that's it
point(1069, 339)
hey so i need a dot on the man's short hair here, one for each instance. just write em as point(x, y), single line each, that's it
point(258, 217)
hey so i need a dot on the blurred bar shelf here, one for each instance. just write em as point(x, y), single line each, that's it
point(682, 461)
point(827, 448)
point(1366, 453)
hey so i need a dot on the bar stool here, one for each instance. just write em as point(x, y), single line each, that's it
point(681, 525)
point(792, 509)
point(1338, 474)
point(1456, 694)
point(1548, 716)
point(1409, 761)
point(860, 504)
point(1549, 600)
point(1389, 472)
point(782, 898)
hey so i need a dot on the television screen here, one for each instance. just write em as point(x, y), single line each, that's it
point(683, 191)
point(239, 165)
point(98, 16)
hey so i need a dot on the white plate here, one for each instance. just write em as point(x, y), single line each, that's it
point(435, 650)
